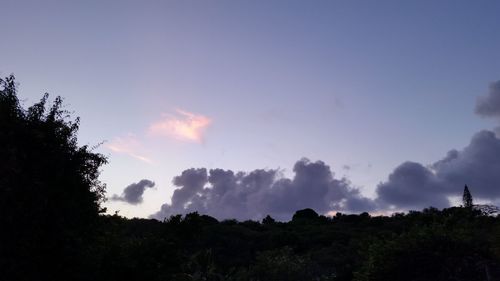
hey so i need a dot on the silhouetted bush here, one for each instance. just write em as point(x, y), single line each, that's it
point(305, 215)
point(50, 194)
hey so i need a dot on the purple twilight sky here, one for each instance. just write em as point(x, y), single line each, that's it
point(394, 103)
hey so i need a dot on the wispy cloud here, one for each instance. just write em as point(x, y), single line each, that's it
point(184, 126)
point(129, 145)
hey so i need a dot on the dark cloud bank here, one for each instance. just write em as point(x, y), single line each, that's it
point(132, 194)
point(227, 194)
point(414, 186)
point(411, 186)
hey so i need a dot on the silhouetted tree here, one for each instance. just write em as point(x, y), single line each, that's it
point(268, 220)
point(305, 215)
point(50, 194)
point(467, 198)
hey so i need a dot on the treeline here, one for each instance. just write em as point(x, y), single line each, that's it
point(53, 227)
point(451, 244)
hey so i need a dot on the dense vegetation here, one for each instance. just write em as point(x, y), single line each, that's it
point(52, 226)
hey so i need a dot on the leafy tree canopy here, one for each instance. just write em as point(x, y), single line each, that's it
point(49, 188)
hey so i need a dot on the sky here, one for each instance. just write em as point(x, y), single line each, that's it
point(243, 108)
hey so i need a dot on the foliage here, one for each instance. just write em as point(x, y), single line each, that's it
point(281, 264)
point(427, 253)
point(467, 198)
point(305, 216)
point(50, 194)
point(449, 244)
point(268, 220)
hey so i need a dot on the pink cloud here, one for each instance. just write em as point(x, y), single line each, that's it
point(128, 145)
point(185, 126)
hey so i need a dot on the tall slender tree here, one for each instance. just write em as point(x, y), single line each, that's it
point(467, 198)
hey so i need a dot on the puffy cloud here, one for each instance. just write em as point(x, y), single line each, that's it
point(132, 194)
point(226, 194)
point(477, 165)
point(413, 186)
point(489, 105)
point(185, 126)
point(497, 131)
point(128, 145)
point(192, 181)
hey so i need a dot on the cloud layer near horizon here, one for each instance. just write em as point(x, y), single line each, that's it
point(227, 194)
point(415, 186)
point(411, 186)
